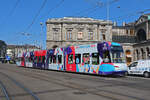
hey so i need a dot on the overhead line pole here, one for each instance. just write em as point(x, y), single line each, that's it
point(107, 17)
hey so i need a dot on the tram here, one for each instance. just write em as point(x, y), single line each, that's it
point(106, 58)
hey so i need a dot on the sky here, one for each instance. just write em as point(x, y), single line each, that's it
point(20, 19)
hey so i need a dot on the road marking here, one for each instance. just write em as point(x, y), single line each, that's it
point(135, 77)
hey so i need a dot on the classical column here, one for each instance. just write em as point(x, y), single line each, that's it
point(147, 31)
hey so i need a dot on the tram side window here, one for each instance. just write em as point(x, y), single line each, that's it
point(19, 59)
point(59, 59)
point(36, 59)
point(86, 58)
point(77, 58)
point(32, 59)
point(40, 60)
point(70, 59)
point(54, 59)
point(43, 59)
point(95, 58)
point(106, 57)
point(22, 59)
point(50, 59)
point(28, 58)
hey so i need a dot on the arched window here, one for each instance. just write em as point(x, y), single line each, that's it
point(54, 46)
point(137, 54)
point(142, 53)
point(128, 57)
point(141, 35)
point(148, 53)
point(128, 52)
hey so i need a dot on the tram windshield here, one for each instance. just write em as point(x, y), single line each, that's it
point(117, 54)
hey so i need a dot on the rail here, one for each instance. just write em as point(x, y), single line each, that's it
point(4, 90)
point(19, 85)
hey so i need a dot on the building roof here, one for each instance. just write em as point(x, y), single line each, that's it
point(146, 14)
point(124, 39)
point(21, 46)
point(77, 20)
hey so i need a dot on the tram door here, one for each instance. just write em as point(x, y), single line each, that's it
point(70, 63)
point(70, 59)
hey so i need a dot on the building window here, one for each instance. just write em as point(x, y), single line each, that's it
point(127, 32)
point(128, 57)
point(102, 34)
point(80, 36)
point(137, 54)
point(48, 28)
point(55, 34)
point(132, 32)
point(142, 53)
point(103, 31)
point(128, 52)
point(69, 34)
point(104, 38)
point(148, 52)
point(90, 34)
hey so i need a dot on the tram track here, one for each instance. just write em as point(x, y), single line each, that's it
point(85, 89)
point(4, 91)
point(16, 90)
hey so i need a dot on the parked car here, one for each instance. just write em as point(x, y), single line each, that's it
point(140, 67)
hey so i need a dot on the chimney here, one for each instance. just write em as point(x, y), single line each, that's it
point(115, 23)
point(124, 24)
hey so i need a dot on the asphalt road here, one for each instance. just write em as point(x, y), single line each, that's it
point(54, 85)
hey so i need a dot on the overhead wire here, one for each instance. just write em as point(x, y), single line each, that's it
point(130, 15)
point(14, 8)
point(97, 5)
point(88, 9)
point(11, 11)
point(37, 14)
point(52, 9)
point(100, 4)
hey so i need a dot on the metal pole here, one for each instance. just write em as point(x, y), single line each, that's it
point(108, 10)
point(41, 34)
point(107, 19)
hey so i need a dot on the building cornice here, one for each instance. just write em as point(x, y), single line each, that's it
point(77, 21)
point(73, 41)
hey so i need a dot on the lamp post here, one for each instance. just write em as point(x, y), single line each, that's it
point(41, 34)
point(107, 18)
point(108, 10)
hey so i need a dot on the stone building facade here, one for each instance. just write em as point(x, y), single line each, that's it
point(142, 31)
point(125, 35)
point(67, 31)
point(135, 37)
point(14, 50)
point(3, 47)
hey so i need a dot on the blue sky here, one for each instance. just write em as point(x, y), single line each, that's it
point(17, 15)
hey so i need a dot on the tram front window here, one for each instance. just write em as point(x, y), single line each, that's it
point(117, 54)
point(106, 57)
